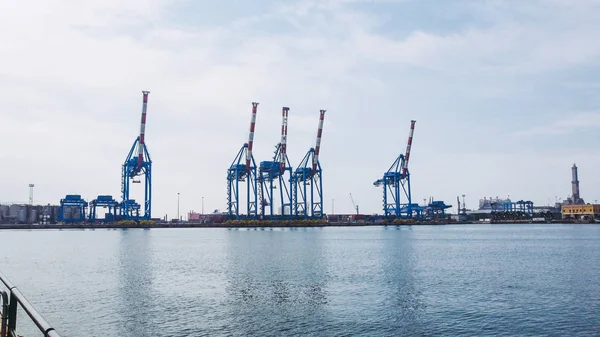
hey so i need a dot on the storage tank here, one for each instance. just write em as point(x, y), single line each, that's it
point(33, 215)
point(13, 211)
point(4, 211)
point(46, 210)
point(55, 213)
point(22, 215)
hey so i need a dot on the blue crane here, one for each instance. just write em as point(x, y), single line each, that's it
point(396, 183)
point(105, 201)
point(308, 181)
point(137, 165)
point(243, 169)
point(72, 209)
point(277, 174)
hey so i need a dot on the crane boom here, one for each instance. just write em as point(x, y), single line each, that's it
point(142, 129)
point(251, 136)
point(354, 204)
point(318, 143)
point(284, 131)
point(408, 146)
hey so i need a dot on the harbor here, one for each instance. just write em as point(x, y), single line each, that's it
point(394, 280)
point(275, 193)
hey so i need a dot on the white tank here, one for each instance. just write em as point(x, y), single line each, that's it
point(22, 215)
point(33, 216)
point(13, 211)
point(4, 211)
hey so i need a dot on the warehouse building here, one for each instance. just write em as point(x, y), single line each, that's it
point(582, 212)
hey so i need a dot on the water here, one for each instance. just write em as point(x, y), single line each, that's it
point(433, 280)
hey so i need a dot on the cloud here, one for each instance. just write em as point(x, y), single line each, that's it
point(574, 123)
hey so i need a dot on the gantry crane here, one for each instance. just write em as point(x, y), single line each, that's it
point(105, 201)
point(277, 174)
point(396, 183)
point(243, 170)
point(354, 204)
point(136, 166)
point(308, 181)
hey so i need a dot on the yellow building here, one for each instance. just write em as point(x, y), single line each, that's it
point(580, 211)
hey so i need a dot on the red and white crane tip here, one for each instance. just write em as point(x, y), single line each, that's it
point(251, 136)
point(142, 128)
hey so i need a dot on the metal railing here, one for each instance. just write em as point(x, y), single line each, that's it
point(11, 299)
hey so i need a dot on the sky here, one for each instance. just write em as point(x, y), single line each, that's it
point(506, 95)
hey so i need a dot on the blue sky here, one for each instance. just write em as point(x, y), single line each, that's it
point(505, 94)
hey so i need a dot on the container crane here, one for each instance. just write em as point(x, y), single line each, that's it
point(137, 165)
point(396, 183)
point(72, 209)
point(243, 170)
point(308, 180)
point(354, 204)
point(277, 174)
point(105, 201)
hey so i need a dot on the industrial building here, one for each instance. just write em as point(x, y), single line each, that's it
point(581, 212)
point(574, 207)
point(29, 214)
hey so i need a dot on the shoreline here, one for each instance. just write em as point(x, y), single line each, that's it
point(263, 225)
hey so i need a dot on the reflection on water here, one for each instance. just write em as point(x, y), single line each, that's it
point(136, 303)
point(403, 295)
point(279, 276)
point(483, 280)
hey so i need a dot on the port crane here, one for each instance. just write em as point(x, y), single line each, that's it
point(243, 170)
point(397, 200)
point(308, 180)
point(277, 174)
point(105, 201)
point(354, 204)
point(136, 165)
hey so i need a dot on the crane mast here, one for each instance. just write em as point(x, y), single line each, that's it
point(243, 171)
point(397, 198)
point(354, 204)
point(283, 143)
point(308, 180)
point(276, 174)
point(251, 136)
point(137, 165)
point(318, 142)
point(142, 129)
point(408, 146)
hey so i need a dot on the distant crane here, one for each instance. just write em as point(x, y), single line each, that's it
point(354, 204)
point(277, 174)
point(396, 183)
point(308, 179)
point(135, 166)
point(243, 170)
